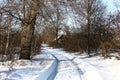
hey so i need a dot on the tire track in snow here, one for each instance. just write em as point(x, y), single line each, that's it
point(75, 64)
point(54, 72)
point(54, 67)
point(72, 68)
point(89, 71)
point(66, 67)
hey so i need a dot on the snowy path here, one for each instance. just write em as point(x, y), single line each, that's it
point(66, 69)
point(71, 67)
point(52, 64)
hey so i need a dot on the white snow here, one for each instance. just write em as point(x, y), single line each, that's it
point(29, 70)
point(56, 64)
point(107, 68)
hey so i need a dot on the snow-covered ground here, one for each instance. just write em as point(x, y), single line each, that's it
point(109, 69)
point(56, 64)
point(40, 67)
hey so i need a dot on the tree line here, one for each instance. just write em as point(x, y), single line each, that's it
point(84, 24)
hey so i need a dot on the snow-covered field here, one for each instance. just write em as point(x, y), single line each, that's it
point(56, 64)
point(109, 69)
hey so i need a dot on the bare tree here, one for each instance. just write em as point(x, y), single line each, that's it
point(86, 11)
point(54, 14)
point(25, 11)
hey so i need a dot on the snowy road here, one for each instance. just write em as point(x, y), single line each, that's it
point(52, 64)
point(66, 68)
point(70, 67)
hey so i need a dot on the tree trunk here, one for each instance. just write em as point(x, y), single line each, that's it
point(26, 40)
point(28, 25)
point(88, 27)
point(56, 44)
point(88, 36)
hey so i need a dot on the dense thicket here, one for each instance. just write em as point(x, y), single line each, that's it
point(75, 25)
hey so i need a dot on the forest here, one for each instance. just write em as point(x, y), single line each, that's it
point(74, 25)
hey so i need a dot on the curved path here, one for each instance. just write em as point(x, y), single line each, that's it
point(53, 64)
point(66, 68)
point(70, 67)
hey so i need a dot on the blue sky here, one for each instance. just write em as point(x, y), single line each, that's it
point(110, 5)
